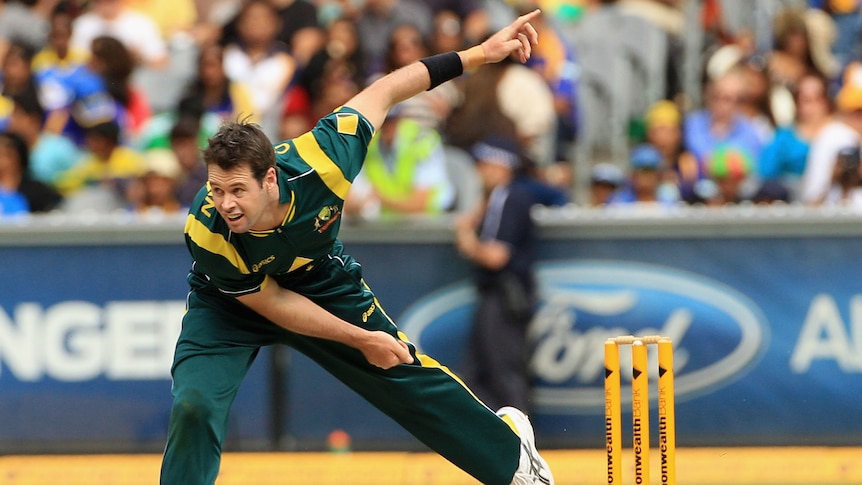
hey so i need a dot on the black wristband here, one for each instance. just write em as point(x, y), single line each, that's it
point(443, 67)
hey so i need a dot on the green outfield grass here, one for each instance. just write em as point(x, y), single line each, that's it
point(695, 466)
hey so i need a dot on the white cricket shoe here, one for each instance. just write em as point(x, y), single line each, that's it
point(532, 468)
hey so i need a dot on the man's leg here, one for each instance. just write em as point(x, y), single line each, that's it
point(432, 404)
point(425, 398)
point(217, 345)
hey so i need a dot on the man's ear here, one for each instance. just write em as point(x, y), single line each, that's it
point(270, 180)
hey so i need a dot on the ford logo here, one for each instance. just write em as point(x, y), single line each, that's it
point(718, 333)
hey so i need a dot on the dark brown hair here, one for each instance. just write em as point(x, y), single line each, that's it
point(239, 143)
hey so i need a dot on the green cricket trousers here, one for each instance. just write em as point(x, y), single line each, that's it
point(220, 339)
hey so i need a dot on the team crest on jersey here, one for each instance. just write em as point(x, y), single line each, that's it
point(327, 215)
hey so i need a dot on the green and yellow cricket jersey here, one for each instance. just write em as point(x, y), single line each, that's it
point(315, 171)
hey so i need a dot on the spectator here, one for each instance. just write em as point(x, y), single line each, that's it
point(448, 33)
point(844, 40)
point(210, 99)
point(405, 45)
point(342, 46)
point(505, 98)
point(185, 142)
point(331, 87)
point(605, 179)
point(298, 31)
point(847, 189)
point(24, 23)
point(58, 52)
point(71, 94)
point(803, 41)
point(729, 167)
point(15, 179)
point(138, 32)
point(472, 17)
point(771, 192)
point(663, 122)
point(706, 193)
point(824, 42)
point(333, 75)
point(17, 74)
point(784, 159)
point(260, 61)
point(158, 185)
point(12, 203)
point(844, 130)
point(755, 103)
point(51, 155)
point(500, 241)
point(670, 17)
point(721, 122)
point(112, 61)
point(792, 56)
point(107, 167)
point(645, 185)
point(430, 108)
point(377, 21)
point(212, 92)
point(404, 172)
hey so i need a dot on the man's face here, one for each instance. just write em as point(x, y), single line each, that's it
point(645, 180)
point(724, 96)
point(664, 136)
point(242, 201)
point(187, 151)
point(493, 174)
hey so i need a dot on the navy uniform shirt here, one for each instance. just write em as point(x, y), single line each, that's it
point(315, 171)
point(507, 219)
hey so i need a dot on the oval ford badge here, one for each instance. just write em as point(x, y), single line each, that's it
point(718, 333)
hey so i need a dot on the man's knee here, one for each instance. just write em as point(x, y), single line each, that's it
point(192, 407)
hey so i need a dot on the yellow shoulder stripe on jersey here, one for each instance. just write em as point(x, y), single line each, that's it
point(347, 123)
point(315, 157)
point(214, 243)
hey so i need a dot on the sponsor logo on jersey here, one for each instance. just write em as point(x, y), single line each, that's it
point(256, 267)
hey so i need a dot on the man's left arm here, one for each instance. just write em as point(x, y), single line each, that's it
point(375, 101)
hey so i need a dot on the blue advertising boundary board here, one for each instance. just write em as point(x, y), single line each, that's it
point(765, 314)
point(89, 315)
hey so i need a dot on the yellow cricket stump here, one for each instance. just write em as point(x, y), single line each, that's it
point(640, 412)
point(640, 409)
point(666, 413)
point(613, 413)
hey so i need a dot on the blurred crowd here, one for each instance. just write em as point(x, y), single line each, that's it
point(105, 104)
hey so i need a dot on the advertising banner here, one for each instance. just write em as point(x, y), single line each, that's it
point(87, 337)
point(767, 335)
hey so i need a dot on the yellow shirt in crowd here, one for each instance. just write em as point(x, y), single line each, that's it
point(124, 163)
